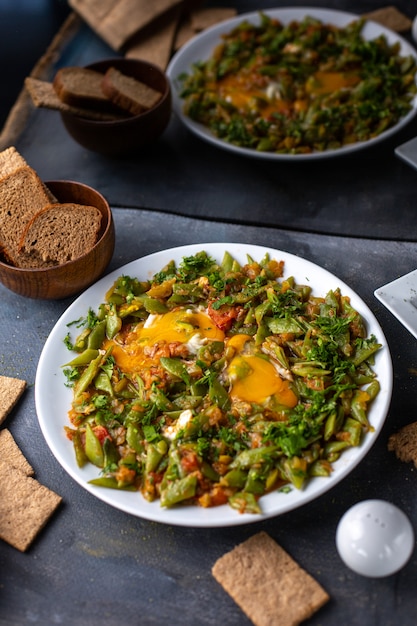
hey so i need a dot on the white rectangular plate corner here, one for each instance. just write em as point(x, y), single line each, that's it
point(400, 297)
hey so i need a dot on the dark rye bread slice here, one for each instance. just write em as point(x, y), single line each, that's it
point(81, 87)
point(10, 161)
point(129, 93)
point(43, 95)
point(60, 233)
point(22, 195)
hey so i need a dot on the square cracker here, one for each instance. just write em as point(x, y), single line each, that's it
point(10, 391)
point(198, 20)
point(25, 506)
point(116, 21)
point(11, 454)
point(404, 443)
point(206, 17)
point(155, 44)
point(390, 17)
point(267, 584)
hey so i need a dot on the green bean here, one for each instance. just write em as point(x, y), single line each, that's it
point(333, 423)
point(96, 336)
point(110, 453)
point(320, 468)
point(254, 482)
point(234, 478)
point(353, 429)
point(88, 376)
point(227, 262)
point(335, 447)
point(176, 368)
point(195, 426)
point(218, 394)
point(208, 471)
point(153, 305)
point(359, 404)
point(79, 450)
point(253, 456)
point(295, 472)
point(153, 457)
point(261, 333)
point(93, 448)
point(244, 501)
point(278, 326)
point(365, 352)
point(111, 483)
point(373, 389)
point(178, 491)
point(134, 438)
point(113, 322)
point(81, 341)
point(102, 383)
point(309, 369)
point(160, 400)
point(84, 358)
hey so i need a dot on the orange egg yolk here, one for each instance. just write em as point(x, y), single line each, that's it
point(255, 379)
point(241, 89)
point(178, 326)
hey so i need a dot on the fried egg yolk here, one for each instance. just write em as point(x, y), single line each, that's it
point(255, 379)
point(192, 328)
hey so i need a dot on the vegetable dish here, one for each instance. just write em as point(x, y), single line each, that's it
point(299, 88)
point(215, 383)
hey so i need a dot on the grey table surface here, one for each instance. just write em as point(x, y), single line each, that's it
point(95, 565)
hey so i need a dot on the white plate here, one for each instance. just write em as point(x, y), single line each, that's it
point(53, 399)
point(201, 47)
point(400, 297)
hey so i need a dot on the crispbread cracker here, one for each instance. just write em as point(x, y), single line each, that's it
point(198, 20)
point(404, 443)
point(184, 33)
point(119, 20)
point(43, 95)
point(204, 18)
point(11, 454)
point(267, 584)
point(155, 44)
point(390, 17)
point(25, 507)
point(10, 391)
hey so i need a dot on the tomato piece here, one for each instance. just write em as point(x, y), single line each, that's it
point(224, 316)
point(189, 461)
point(101, 433)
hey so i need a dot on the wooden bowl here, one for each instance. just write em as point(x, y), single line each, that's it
point(61, 281)
point(130, 134)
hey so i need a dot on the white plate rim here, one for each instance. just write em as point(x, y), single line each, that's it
point(398, 296)
point(53, 399)
point(200, 47)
